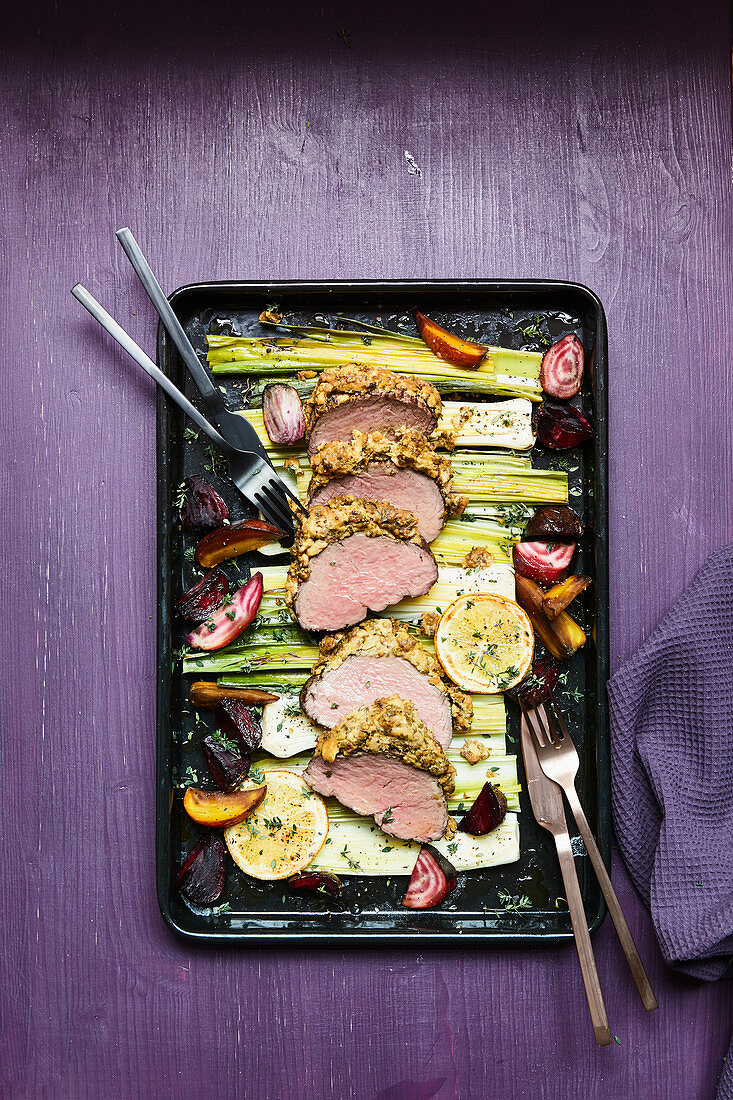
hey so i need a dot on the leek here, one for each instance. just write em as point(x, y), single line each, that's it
point(504, 424)
point(287, 731)
point(356, 846)
point(502, 372)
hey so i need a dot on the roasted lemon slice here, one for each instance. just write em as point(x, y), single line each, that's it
point(285, 832)
point(485, 643)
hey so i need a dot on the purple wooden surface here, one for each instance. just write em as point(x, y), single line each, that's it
point(251, 142)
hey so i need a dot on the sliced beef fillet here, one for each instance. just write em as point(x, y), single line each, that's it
point(368, 399)
point(377, 659)
point(406, 472)
point(353, 556)
point(402, 488)
point(382, 761)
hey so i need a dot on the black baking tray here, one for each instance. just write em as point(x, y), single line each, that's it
point(496, 311)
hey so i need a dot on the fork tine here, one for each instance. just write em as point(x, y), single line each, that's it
point(296, 500)
point(273, 511)
point(271, 491)
point(559, 719)
point(537, 731)
point(556, 734)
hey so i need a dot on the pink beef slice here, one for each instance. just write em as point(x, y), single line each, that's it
point(359, 681)
point(361, 574)
point(403, 488)
point(372, 783)
point(369, 414)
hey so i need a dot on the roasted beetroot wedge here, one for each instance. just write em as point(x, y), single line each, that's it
point(433, 878)
point(488, 811)
point(538, 684)
point(202, 509)
point(206, 694)
point(319, 882)
point(237, 538)
point(561, 372)
point(561, 426)
point(220, 809)
point(562, 595)
point(231, 619)
point(198, 603)
point(238, 724)
point(554, 522)
point(544, 562)
point(226, 761)
point(202, 876)
point(454, 349)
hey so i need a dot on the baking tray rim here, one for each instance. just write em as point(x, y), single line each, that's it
point(389, 937)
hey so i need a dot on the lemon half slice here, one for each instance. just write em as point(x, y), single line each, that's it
point(285, 832)
point(485, 643)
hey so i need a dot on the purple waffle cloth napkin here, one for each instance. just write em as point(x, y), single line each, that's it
point(672, 776)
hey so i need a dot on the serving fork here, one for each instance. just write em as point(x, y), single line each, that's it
point(250, 470)
point(559, 761)
point(546, 801)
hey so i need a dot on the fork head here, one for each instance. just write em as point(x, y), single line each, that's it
point(556, 752)
point(258, 482)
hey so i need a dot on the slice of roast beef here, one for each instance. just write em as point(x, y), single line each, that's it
point(403, 488)
point(383, 761)
point(369, 414)
point(355, 397)
point(405, 802)
point(352, 556)
point(360, 680)
point(361, 574)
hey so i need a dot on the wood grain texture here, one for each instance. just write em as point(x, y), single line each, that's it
point(254, 142)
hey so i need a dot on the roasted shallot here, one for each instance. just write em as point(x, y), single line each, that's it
point(282, 413)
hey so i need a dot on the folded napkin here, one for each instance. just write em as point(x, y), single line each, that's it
point(672, 773)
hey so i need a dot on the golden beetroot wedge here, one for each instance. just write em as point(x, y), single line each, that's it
point(561, 636)
point(562, 595)
point(454, 349)
point(206, 694)
point(219, 809)
point(237, 538)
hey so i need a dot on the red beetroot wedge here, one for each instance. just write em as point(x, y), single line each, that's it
point(433, 878)
point(561, 426)
point(227, 763)
point(238, 724)
point(538, 684)
point(487, 812)
point(561, 372)
point(203, 509)
point(320, 882)
point(202, 876)
point(199, 602)
point(454, 349)
point(224, 625)
point(543, 562)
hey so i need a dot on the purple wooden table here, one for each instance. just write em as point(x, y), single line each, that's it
point(252, 143)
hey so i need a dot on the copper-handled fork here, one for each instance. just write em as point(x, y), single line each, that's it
point(559, 761)
point(546, 801)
